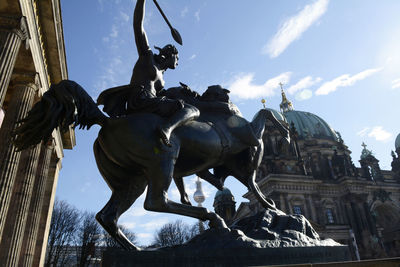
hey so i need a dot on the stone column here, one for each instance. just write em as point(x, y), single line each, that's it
point(32, 225)
point(13, 30)
point(371, 221)
point(312, 208)
point(47, 211)
point(283, 204)
point(13, 234)
point(20, 104)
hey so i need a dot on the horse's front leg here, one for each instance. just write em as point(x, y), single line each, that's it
point(282, 129)
point(267, 203)
point(181, 188)
point(216, 181)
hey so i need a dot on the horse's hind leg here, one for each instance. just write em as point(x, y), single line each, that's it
point(109, 215)
point(126, 189)
point(159, 179)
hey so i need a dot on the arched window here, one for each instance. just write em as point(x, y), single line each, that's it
point(329, 216)
point(297, 210)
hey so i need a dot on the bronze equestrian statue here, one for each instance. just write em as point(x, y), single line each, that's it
point(128, 151)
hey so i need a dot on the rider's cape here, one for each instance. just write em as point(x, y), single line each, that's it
point(115, 99)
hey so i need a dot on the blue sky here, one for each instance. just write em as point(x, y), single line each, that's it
point(338, 59)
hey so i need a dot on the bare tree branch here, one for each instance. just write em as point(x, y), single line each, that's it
point(63, 225)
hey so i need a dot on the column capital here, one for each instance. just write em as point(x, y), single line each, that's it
point(16, 24)
point(50, 145)
point(24, 78)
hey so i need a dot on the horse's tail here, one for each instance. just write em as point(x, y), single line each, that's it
point(64, 104)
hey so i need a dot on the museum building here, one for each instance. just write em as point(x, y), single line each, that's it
point(32, 57)
point(315, 176)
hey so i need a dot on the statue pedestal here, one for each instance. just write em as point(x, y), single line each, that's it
point(226, 256)
point(266, 238)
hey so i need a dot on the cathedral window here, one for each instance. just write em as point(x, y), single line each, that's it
point(329, 216)
point(297, 210)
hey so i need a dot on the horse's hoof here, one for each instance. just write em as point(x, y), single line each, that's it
point(186, 201)
point(134, 248)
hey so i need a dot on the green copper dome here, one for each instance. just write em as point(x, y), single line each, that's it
point(277, 114)
point(397, 142)
point(308, 124)
point(224, 194)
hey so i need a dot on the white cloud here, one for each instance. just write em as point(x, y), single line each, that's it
point(184, 11)
point(138, 211)
point(154, 224)
point(110, 77)
point(380, 134)
point(144, 235)
point(114, 31)
point(243, 86)
point(86, 186)
point(294, 27)
point(129, 225)
point(124, 16)
point(396, 84)
point(306, 82)
point(197, 15)
point(192, 57)
point(363, 132)
point(304, 95)
point(376, 132)
point(344, 81)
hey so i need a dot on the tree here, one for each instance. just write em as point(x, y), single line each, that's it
point(63, 225)
point(175, 233)
point(87, 238)
point(109, 242)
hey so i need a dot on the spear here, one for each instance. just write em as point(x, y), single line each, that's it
point(175, 34)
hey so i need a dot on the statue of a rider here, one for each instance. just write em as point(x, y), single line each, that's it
point(142, 94)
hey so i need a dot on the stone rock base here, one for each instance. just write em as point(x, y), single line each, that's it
point(226, 256)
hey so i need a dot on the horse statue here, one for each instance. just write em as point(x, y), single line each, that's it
point(130, 159)
point(216, 108)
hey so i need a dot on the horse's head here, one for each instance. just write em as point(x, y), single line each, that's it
point(181, 92)
point(215, 93)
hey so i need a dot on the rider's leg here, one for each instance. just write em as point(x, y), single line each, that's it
point(245, 134)
point(180, 117)
point(277, 124)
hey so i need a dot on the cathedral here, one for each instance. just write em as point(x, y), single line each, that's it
point(32, 57)
point(315, 176)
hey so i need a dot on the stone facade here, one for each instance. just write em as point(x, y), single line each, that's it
point(315, 176)
point(32, 57)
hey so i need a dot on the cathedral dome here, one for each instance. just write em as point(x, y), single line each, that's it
point(223, 195)
point(308, 124)
point(277, 114)
point(397, 142)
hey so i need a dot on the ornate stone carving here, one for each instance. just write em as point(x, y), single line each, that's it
point(17, 25)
